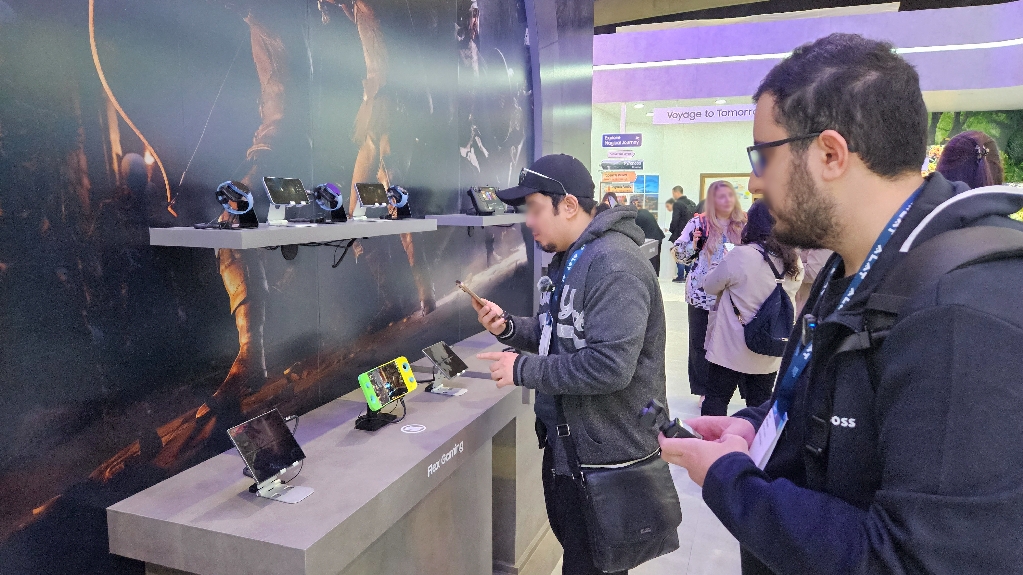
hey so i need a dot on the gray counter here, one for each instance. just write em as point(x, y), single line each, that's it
point(450, 499)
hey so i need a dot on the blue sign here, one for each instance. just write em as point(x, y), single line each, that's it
point(623, 140)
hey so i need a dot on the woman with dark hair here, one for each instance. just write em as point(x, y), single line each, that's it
point(742, 282)
point(972, 158)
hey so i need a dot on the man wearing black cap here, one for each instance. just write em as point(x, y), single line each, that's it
point(601, 351)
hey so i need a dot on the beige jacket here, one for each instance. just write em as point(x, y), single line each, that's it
point(745, 279)
point(813, 263)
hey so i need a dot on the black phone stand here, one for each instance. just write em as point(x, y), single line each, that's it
point(339, 215)
point(248, 220)
point(374, 420)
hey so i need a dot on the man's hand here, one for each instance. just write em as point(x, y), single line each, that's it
point(503, 369)
point(491, 316)
point(714, 427)
point(697, 455)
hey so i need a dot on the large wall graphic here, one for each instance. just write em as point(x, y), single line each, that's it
point(122, 364)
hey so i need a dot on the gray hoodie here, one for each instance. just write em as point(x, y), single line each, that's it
point(607, 361)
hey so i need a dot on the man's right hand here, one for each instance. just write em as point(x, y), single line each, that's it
point(491, 316)
point(714, 427)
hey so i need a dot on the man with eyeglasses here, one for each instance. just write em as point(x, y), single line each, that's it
point(889, 450)
point(597, 343)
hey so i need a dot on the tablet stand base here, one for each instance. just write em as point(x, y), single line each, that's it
point(277, 216)
point(278, 491)
point(374, 420)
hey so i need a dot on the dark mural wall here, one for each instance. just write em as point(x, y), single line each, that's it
point(122, 364)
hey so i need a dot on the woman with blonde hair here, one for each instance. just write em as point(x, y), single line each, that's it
point(703, 244)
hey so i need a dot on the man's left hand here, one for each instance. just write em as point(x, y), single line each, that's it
point(503, 369)
point(697, 455)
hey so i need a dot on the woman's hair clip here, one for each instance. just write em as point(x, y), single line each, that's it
point(982, 152)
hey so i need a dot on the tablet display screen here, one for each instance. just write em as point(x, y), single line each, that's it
point(372, 194)
point(446, 360)
point(285, 191)
point(267, 445)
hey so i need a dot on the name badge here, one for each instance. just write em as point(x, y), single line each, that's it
point(767, 437)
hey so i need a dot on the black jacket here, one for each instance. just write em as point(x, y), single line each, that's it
point(681, 213)
point(924, 469)
point(648, 223)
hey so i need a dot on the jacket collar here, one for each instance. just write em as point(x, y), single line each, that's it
point(936, 189)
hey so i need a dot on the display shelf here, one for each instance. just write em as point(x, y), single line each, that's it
point(267, 236)
point(466, 220)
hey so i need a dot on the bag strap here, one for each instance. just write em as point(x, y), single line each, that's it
point(767, 258)
point(564, 432)
point(923, 266)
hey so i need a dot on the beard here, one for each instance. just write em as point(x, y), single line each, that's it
point(549, 248)
point(809, 219)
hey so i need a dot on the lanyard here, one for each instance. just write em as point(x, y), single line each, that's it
point(555, 300)
point(801, 358)
point(564, 275)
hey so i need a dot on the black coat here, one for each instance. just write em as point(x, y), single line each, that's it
point(924, 469)
point(681, 213)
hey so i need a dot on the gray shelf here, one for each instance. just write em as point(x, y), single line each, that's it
point(465, 220)
point(266, 236)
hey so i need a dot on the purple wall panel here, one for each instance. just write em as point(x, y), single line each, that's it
point(986, 68)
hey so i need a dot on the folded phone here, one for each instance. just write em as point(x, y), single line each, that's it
point(386, 383)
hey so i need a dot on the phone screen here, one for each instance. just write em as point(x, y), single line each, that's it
point(446, 360)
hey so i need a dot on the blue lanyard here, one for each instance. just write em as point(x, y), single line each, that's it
point(564, 275)
point(801, 358)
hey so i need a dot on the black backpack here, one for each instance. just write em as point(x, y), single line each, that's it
point(923, 266)
point(768, 332)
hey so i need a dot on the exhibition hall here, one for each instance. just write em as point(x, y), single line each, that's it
point(510, 287)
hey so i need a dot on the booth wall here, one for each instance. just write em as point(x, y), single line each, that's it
point(122, 364)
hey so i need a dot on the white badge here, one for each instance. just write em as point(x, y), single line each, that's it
point(545, 335)
point(767, 437)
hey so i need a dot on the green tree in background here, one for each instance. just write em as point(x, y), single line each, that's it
point(1004, 126)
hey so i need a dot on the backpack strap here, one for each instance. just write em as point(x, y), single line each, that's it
point(923, 266)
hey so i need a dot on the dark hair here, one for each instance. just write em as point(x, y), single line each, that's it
point(679, 188)
point(669, 201)
point(859, 88)
point(973, 158)
point(587, 205)
point(758, 230)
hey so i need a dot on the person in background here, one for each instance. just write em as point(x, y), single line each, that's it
point(742, 282)
point(813, 263)
point(972, 158)
point(669, 205)
point(685, 212)
point(703, 244)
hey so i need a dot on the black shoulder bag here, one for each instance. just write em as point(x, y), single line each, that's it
point(768, 332)
point(632, 510)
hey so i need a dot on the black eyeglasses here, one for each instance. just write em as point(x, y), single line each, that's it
point(757, 160)
point(522, 179)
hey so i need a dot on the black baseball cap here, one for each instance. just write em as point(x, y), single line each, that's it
point(557, 174)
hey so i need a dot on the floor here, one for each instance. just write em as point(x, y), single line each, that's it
point(706, 547)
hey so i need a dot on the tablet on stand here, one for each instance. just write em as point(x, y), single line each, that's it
point(446, 364)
